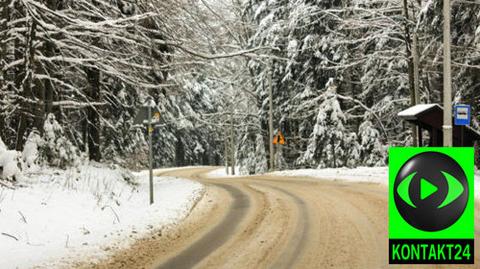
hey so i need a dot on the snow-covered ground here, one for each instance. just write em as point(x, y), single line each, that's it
point(222, 172)
point(359, 174)
point(85, 213)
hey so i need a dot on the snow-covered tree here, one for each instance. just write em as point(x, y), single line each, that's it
point(246, 156)
point(260, 155)
point(372, 151)
point(326, 145)
point(10, 163)
point(352, 148)
point(30, 154)
point(57, 150)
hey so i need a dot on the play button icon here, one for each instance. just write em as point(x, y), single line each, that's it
point(426, 189)
point(431, 191)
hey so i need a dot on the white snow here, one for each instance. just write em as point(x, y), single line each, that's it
point(85, 213)
point(3, 148)
point(159, 171)
point(221, 172)
point(359, 174)
point(415, 110)
point(30, 151)
point(9, 164)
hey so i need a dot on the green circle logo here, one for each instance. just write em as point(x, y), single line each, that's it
point(431, 191)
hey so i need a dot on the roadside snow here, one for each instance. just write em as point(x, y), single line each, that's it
point(60, 216)
point(359, 174)
point(221, 172)
point(163, 170)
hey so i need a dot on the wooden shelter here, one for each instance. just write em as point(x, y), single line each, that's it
point(429, 118)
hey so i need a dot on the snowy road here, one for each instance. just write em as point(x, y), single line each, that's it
point(274, 222)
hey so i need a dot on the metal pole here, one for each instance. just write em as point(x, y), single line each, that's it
point(411, 67)
point(232, 144)
point(226, 148)
point(150, 153)
point(270, 117)
point(416, 83)
point(416, 72)
point(447, 77)
point(278, 151)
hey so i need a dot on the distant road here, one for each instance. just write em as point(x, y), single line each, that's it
point(275, 222)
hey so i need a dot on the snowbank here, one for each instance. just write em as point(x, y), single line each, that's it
point(159, 171)
point(9, 160)
point(359, 174)
point(85, 213)
point(221, 172)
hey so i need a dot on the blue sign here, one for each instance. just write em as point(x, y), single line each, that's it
point(462, 114)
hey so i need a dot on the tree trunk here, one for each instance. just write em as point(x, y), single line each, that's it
point(48, 86)
point(39, 107)
point(179, 151)
point(411, 75)
point(232, 143)
point(4, 17)
point(28, 110)
point(93, 119)
point(226, 154)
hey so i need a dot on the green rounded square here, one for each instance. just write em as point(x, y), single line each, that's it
point(464, 228)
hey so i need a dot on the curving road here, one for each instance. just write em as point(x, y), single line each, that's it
point(275, 222)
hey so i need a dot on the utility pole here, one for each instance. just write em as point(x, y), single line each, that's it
point(226, 147)
point(150, 149)
point(447, 77)
point(416, 71)
point(410, 52)
point(3, 36)
point(416, 82)
point(270, 117)
point(145, 118)
point(232, 144)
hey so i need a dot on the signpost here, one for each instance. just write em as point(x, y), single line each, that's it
point(279, 141)
point(145, 117)
point(462, 117)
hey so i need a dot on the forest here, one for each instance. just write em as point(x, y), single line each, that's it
point(74, 74)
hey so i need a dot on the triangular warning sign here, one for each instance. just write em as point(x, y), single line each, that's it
point(275, 140)
point(281, 139)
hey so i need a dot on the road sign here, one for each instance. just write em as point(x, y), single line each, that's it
point(142, 115)
point(156, 116)
point(149, 115)
point(275, 140)
point(281, 138)
point(462, 114)
point(431, 209)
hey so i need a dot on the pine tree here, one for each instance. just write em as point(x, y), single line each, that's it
point(326, 143)
point(260, 155)
point(57, 150)
point(372, 151)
